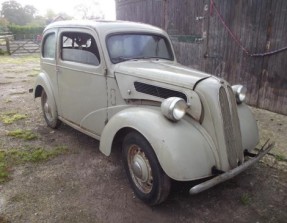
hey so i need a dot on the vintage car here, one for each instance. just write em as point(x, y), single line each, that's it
point(119, 82)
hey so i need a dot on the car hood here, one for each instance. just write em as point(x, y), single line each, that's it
point(162, 71)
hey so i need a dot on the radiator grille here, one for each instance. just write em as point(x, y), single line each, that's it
point(158, 91)
point(231, 126)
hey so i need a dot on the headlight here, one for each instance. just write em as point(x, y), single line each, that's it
point(174, 108)
point(240, 93)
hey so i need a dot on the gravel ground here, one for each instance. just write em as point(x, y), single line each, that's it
point(82, 185)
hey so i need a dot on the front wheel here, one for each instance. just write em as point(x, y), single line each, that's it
point(50, 118)
point(148, 180)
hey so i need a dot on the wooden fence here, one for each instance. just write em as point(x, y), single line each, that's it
point(20, 45)
point(241, 41)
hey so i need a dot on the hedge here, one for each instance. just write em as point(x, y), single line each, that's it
point(16, 29)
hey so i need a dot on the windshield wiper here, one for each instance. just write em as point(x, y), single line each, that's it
point(122, 59)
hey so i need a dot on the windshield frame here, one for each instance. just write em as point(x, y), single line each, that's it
point(166, 40)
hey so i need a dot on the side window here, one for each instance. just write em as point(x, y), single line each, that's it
point(49, 46)
point(79, 47)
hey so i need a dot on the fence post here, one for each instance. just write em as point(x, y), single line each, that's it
point(8, 45)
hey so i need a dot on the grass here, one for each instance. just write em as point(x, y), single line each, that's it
point(22, 134)
point(11, 157)
point(280, 157)
point(17, 93)
point(245, 199)
point(33, 73)
point(10, 117)
point(20, 59)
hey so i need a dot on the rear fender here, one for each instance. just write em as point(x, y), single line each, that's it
point(43, 83)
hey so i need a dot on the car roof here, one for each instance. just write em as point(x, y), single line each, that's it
point(105, 27)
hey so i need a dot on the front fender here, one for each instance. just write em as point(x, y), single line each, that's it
point(182, 150)
point(248, 127)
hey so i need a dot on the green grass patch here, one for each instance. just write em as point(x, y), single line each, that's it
point(12, 157)
point(33, 73)
point(10, 77)
point(20, 59)
point(10, 117)
point(280, 157)
point(17, 93)
point(22, 134)
point(245, 199)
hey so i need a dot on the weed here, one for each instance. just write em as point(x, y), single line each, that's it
point(10, 117)
point(22, 134)
point(245, 199)
point(8, 100)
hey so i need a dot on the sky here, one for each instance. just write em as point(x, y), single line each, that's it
point(69, 6)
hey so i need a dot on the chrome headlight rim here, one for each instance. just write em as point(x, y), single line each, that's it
point(174, 108)
point(240, 93)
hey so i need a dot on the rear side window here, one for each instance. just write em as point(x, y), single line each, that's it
point(49, 46)
point(79, 47)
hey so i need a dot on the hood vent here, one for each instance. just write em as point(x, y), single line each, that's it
point(158, 91)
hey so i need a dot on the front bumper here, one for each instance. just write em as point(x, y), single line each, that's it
point(232, 173)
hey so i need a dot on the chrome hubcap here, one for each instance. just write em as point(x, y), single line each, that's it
point(140, 169)
point(47, 109)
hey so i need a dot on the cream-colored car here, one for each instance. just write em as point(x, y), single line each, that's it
point(119, 82)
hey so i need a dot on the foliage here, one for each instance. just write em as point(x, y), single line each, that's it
point(22, 134)
point(16, 14)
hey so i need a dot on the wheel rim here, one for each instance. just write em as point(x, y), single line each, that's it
point(47, 108)
point(140, 169)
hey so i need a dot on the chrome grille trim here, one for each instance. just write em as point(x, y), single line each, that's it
point(231, 126)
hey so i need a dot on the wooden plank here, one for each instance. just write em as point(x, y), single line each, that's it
point(259, 25)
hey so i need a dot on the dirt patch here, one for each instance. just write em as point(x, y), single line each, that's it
point(82, 185)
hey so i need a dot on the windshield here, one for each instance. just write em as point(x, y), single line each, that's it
point(124, 47)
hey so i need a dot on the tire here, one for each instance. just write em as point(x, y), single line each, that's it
point(52, 121)
point(147, 178)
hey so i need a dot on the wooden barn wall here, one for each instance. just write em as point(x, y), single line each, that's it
point(201, 41)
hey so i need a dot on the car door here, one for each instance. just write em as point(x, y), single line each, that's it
point(48, 60)
point(81, 79)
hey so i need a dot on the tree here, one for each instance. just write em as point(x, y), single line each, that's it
point(16, 14)
point(3, 25)
point(90, 10)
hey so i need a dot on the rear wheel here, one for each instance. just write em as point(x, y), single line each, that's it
point(145, 174)
point(50, 118)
